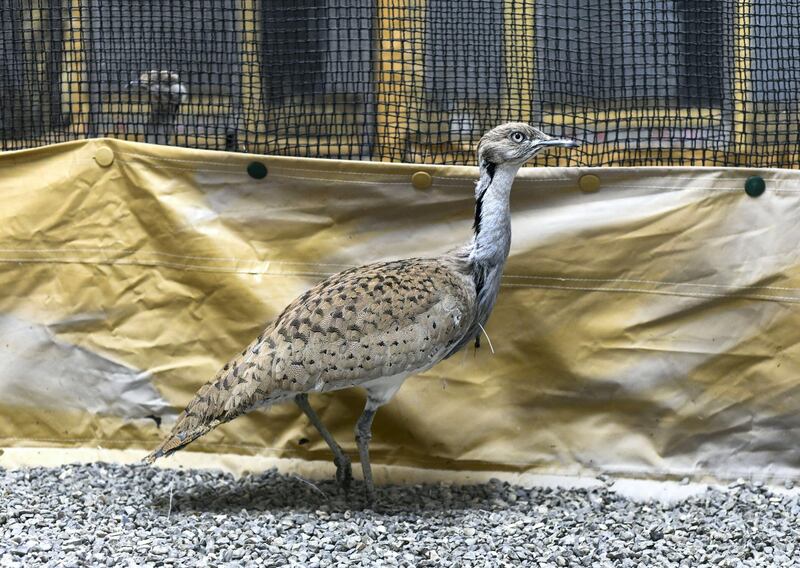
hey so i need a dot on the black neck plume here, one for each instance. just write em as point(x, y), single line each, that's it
point(490, 168)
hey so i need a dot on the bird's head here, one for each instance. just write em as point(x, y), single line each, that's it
point(161, 86)
point(515, 143)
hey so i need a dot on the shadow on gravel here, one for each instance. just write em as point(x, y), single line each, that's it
point(271, 491)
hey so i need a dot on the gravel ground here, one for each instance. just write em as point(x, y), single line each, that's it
point(121, 515)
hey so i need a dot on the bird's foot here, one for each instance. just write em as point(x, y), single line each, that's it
point(369, 498)
point(344, 473)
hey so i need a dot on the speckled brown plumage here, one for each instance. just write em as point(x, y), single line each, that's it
point(378, 320)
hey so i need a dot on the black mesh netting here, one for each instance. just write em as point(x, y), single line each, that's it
point(651, 82)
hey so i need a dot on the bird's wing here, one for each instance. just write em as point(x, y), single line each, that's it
point(375, 321)
point(369, 322)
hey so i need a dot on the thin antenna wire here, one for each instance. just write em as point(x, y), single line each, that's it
point(487, 338)
point(311, 485)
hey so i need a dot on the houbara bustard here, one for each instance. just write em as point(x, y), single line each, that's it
point(375, 325)
point(166, 93)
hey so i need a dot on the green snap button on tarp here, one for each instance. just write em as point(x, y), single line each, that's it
point(257, 170)
point(754, 186)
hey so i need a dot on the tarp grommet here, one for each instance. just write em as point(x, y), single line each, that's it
point(104, 156)
point(589, 183)
point(256, 170)
point(755, 186)
point(421, 180)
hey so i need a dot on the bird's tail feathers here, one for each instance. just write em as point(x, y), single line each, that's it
point(177, 440)
point(233, 392)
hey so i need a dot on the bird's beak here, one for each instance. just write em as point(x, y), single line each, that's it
point(564, 142)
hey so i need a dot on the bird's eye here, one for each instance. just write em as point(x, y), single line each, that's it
point(517, 136)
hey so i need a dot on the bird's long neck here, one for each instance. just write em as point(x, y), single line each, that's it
point(492, 227)
point(488, 249)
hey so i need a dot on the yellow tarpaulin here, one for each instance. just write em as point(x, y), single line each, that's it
point(649, 328)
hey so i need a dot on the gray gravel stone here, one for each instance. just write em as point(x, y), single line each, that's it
point(114, 515)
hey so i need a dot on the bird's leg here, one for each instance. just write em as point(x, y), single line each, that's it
point(363, 436)
point(378, 394)
point(344, 471)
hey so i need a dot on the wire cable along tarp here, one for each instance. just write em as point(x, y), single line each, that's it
point(649, 328)
point(640, 82)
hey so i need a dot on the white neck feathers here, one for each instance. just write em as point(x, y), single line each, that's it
point(492, 239)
